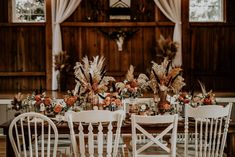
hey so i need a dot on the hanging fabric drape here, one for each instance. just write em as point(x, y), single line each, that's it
point(172, 10)
point(61, 10)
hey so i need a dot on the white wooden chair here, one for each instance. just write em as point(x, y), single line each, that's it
point(95, 125)
point(155, 143)
point(210, 126)
point(25, 131)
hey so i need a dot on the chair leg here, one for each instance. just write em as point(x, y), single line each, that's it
point(123, 151)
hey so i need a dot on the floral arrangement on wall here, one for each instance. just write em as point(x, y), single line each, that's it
point(61, 61)
point(168, 48)
point(62, 66)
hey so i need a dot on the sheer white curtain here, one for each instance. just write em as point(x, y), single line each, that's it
point(172, 10)
point(61, 10)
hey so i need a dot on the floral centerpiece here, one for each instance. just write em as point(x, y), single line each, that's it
point(112, 102)
point(132, 87)
point(19, 104)
point(16, 104)
point(42, 103)
point(33, 102)
point(183, 98)
point(164, 79)
point(180, 100)
point(204, 98)
point(68, 103)
point(91, 80)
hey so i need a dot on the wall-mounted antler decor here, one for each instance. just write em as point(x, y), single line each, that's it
point(119, 36)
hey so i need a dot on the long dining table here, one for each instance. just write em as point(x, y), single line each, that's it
point(126, 129)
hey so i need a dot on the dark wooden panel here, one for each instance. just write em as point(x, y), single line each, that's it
point(3, 11)
point(230, 11)
point(213, 56)
point(218, 52)
point(22, 50)
point(21, 83)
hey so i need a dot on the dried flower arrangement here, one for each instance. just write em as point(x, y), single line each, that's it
point(204, 98)
point(132, 87)
point(90, 77)
point(39, 102)
point(164, 77)
point(62, 66)
point(61, 61)
point(167, 47)
point(16, 104)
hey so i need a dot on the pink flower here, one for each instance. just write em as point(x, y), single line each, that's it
point(58, 108)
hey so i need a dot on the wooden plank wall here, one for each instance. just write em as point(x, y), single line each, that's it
point(208, 48)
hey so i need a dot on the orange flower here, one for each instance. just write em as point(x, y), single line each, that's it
point(118, 102)
point(166, 106)
point(70, 100)
point(37, 97)
point(58, 108)
point(133, 84)
point(107, 100)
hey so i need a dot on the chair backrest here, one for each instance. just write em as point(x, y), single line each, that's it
point(27, 129)
point(209, 124)
point(95, 125)
point(168, 122)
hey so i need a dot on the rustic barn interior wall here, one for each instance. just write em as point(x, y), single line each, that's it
point(208, 48)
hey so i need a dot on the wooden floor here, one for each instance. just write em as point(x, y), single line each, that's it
point(2, 146)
